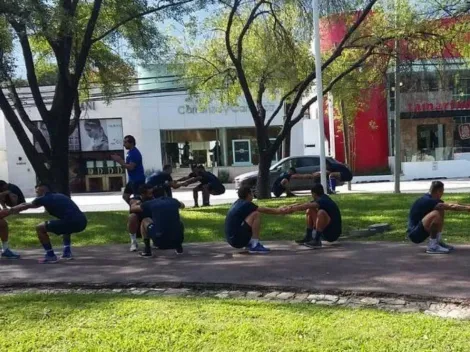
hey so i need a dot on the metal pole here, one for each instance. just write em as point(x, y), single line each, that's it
point(331, 123)
point(319, 86)
point(397, 110)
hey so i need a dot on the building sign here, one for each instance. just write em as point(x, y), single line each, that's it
point(464, 131)
point(101, 134)
point(189, 109)
point(440, 106)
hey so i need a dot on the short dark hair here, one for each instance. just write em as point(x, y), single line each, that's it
point(167, 167)
point(2, 183)
point(43, 184)
point(158, 192)
point(144, 188)
point(318, 189)
point(130, 139)
point(436, 186)
point(244, 192)
point(293, 170)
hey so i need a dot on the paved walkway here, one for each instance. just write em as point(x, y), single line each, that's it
point(348, 266)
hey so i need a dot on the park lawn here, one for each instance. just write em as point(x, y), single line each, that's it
point(105, 322)
point(207, 224)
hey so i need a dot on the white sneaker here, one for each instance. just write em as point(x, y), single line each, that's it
point(437, 249)
point(134, 247)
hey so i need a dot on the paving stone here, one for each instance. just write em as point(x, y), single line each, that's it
point(301, 297)
point(236, 294)
point(393, 301)
point(254, 294)
point(177, 291)
point(342, 301)
point(409, 310)
point(325, 303)
point(370, 301)
point(316, 297)
point(332, 298)
point(285, 295)
point(422, 306)
point(272, 295)
point(222, 295)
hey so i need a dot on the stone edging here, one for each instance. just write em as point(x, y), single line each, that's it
point(441, 309)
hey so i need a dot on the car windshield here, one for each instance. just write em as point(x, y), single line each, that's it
point(276, 165)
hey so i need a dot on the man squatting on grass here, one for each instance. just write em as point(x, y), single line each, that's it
point(242, 224)
point(10, 195)
point(282, 183)
point(209, 185)
point(426, 219)
point(164, 226)
point(323, 218)
point(70, 219)
point(135, 219)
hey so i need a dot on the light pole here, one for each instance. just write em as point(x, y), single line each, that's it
point(319, 87)
point(397, 166)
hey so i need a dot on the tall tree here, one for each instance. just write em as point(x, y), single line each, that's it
point(260, 49)
point(73, 44)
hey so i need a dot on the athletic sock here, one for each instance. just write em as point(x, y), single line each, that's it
point(439, 237)
point(318, 235)
point(133, 237)
point(333, 184)
point(66, 240)
point(253, 243)
point(309, 233)
point(5, 246)
point(48, 248)
point(432, 242)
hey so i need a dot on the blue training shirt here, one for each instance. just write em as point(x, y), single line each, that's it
point(420, 208)
point(165, 214)
point(329, 206)
point(237, 214)
point(134, 156)
point(59, 206)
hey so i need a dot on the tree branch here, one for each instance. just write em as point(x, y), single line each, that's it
point(77, 111)
point(138, 15)
point(336, 53)
point(86, 44)
point(20, 30)
point(253, 15)
point(38, 136)
point(281, 103)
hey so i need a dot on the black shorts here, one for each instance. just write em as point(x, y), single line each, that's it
point(278, 190)
point(216, 189)
point(418, 234)
point(67, 226)
point(242, 236)
point(346, 176)
point(331, 233)
point(171, 240)
point(132, 187)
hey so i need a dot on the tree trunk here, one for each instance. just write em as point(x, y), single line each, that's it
point(347, 147)
point(286, 146)
point(263, 185)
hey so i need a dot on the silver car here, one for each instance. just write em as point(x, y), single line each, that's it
point(306, 164)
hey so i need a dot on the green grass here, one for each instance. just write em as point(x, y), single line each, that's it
point(207, 224)
point(103, 322)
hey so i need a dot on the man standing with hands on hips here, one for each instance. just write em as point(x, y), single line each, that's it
point(134, 166)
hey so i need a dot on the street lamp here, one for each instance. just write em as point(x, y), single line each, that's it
point(319, 88)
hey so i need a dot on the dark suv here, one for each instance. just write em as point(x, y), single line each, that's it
point(306, 164)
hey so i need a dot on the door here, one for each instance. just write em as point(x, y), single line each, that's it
point(241, 152)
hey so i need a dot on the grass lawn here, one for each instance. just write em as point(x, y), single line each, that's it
point(207, 224)
point(103, 322)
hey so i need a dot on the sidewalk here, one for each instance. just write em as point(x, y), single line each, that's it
point(391, 268)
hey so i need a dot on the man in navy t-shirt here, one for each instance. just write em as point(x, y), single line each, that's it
point(10, 195)
point(163, 179)
point(164, 226)
point(70, 219)
point(323, 218)
point(209, 185)
point(242, 224)
point(135, 219)
point(426, 219)
point(282, 183)
point(134, 166)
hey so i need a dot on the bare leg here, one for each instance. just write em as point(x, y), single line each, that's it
point(143, 230)
point(322, 221)
point(3, 230)
point(254, 220)
point(127, 198)
point(45, 240)
point(205, 195)
point(310, 219)
point(133, 226)
point(6, 252)
point(286, 184)
point(433, 223)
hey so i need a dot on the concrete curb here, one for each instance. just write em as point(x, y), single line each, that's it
point(439, 308)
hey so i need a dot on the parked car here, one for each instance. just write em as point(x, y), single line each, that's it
point(306, 164)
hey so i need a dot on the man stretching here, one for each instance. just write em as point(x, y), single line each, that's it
point(134, 166)
point(164, 226)
point(242, 224)
point(209, 185)
point(70, 219)
point(10, 195)
point(426, 219)
point(323, 218)
point(135, 219)
point(282, 183)
point(335, 172)
point(7, 253)
point(164, 179)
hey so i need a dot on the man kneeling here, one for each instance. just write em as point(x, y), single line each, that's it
point(164, 227)
point(426, 219)
point(242, 224)
point(323, 218)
